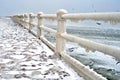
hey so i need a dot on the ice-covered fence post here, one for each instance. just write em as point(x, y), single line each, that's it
point(39, 31)
point(60, 42)
point(21, 17)
point(16, 17)
point(31, 17)
point(25, 20)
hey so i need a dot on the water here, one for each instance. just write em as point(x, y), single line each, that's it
point(106, 34)
point(109, 36)
point(103, 64)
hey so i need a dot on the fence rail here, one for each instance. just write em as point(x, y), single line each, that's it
point(61, 35)
point(113, 16)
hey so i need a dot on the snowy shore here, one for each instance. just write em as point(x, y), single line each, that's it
point(24, 57)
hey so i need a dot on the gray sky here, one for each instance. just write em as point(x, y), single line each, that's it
point(11, 7)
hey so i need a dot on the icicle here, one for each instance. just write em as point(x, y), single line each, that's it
point(75, 20)
point(87, 49)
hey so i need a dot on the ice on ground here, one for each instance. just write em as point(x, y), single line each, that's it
point(24, 57)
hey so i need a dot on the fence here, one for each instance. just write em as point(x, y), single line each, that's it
point(61, 35)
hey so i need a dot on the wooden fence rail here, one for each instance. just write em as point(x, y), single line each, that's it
point(61, 35)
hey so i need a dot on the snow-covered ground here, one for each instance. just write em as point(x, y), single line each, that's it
point(24, 57)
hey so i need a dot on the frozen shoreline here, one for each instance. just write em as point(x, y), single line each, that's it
point(106, 65)
point(22, 56)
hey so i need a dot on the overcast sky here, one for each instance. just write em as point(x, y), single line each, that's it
point(11, 7)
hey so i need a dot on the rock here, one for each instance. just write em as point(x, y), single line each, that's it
point(2, 66)
point(21, 75)
point(23, 69)
point(18, 76)
point(46, 72)
point(49, 64)
point(43, 56)
point(52, 56)
point(98, 23)
point(33, 65)
point(36, 73)
point(55, 69)
point(64, 73)
point(25, 76)
point(24, 65)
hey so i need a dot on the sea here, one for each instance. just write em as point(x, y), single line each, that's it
point(98, 31)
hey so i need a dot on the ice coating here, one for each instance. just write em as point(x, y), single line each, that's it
point(112, 17)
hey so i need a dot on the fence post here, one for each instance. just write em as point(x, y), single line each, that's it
point(39, 31)
point(60, 42)
point(30, 21)
point(21, 19)
point(24, 20)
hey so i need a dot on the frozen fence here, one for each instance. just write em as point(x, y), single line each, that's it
point(61, 35)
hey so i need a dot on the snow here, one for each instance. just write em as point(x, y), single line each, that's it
point(24, 57)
